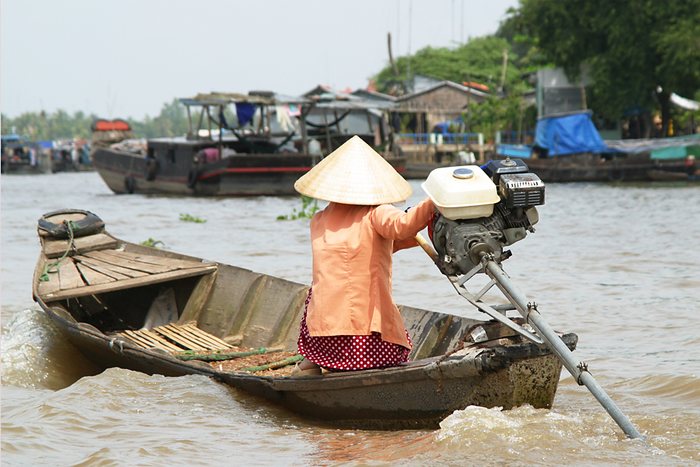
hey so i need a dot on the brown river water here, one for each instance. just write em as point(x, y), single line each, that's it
point(617, 264)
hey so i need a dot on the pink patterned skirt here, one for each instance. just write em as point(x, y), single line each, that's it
point(349, 352)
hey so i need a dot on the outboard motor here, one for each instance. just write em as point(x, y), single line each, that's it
point(481, 211)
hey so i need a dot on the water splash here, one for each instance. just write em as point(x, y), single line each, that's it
point(35, 354)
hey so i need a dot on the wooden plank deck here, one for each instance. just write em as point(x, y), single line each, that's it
point(128, 283)
point(56, 248)
point(93, 277)
point(69, 276)
point(99, 268)
point(127, 257)
point(92, 258)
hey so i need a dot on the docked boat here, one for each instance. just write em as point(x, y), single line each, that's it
point(20, 156)
point(568, 148)
point(237, 144)
point(70, 156)
point(590, 167)
point(155, 311)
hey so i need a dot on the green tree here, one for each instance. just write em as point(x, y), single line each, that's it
point(526, 55)
point(172, 120)
point(480, 60)
point(39, 126)
point(637, 51)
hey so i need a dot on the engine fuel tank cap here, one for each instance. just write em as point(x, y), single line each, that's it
point(463, 173)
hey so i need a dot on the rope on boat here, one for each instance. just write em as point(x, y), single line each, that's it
point(215, 357)
point(274, 365)
point(52, 268)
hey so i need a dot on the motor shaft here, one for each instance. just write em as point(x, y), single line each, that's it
point(577, 369)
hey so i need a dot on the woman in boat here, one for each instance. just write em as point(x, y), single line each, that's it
point(350, 320)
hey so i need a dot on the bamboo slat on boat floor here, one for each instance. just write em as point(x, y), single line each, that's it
point(189, 341)
point(178, 338)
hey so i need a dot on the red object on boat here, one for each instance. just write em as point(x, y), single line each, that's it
point(111, 125)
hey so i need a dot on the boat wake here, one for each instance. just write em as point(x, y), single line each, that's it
point(35, 356)
point(677, 387)
point(529, 435)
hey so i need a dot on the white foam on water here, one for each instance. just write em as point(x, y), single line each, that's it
point(24, 343)
point(36, 355)
point(526, 435)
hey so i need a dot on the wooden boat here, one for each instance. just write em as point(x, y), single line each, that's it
point(588, 167)
point(665, 175)
point(263, 154)
point(63, 160)
point(568, 148)
point(240, 327)
point(23, 157)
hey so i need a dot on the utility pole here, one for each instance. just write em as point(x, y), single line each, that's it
point(503, 70)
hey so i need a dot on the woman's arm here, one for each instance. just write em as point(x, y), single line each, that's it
point(395, 224)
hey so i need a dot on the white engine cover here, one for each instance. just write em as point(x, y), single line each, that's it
point(461, 192)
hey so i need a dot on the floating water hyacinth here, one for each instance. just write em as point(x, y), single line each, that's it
point(191, 218)
point(309, 206)
point(153, 243)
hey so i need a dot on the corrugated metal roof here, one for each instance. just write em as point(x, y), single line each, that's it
point(441, 84)
point(254, 97)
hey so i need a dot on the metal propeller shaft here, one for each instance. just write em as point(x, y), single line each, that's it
point(578, 370)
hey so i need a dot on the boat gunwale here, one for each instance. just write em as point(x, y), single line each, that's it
point(482, 360)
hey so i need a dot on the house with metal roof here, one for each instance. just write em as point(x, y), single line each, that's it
point(420, 111)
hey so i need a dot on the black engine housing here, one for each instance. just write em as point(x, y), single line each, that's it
point(461, 243)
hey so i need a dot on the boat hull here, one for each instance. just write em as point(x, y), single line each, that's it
point(417, 395)
point(237, 175)
point(578, 168)
point(591, 168)
point(240, 175)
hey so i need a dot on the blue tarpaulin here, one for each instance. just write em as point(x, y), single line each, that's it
point(514, 150)
point(568, 134)
point(245, 112)
point(11, 138)
point(444, 127)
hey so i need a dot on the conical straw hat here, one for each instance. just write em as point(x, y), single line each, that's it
point(354, 174)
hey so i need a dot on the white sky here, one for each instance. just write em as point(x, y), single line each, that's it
point(126, 58)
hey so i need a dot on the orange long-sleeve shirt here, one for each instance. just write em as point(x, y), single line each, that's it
point(352, 247)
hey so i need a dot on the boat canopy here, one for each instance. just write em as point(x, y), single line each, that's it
point(675, 152)
point(570, 133)
point(253, 97)
point(657, 146)
point(11, 138)
point(684, 103)
point(339, 101)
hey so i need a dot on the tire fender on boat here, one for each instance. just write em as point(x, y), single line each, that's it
point(88, 225)
point(616, 174)
point(129, 184)
point(151, 169)
point(192, 177)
